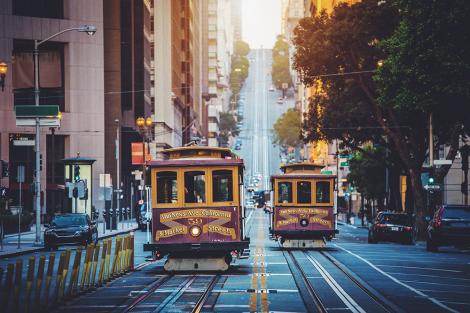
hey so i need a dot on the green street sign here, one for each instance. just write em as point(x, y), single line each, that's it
point(25, 111)
point(327, 172)
point(344, 164)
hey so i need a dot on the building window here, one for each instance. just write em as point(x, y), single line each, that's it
point(284, 192)
point(167, 191)
point(39, 8)
point(304, 192)
point(222, 186)
point(323, 192)
point(51, 73)
point(195, 187)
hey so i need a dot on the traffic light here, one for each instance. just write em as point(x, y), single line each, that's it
point(40, 162)
point(4, 172)
point(430, 180)
point(76, 173)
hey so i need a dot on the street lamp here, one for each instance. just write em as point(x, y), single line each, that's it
point(3, 73)
point(144, 125)
point(90, 30)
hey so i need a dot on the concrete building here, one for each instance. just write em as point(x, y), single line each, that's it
point(128, 84)
point(236, 17)
point(179, 108)
point(71, 76)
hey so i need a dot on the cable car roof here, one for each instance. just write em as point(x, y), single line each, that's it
point(200, 152)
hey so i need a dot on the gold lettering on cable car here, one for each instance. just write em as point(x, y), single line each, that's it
point(320, 214)
point(165, 233)
point(195, 213)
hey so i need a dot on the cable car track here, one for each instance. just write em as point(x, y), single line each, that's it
point(165, 305)
point(307, 291)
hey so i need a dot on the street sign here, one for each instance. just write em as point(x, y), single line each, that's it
point(20, 174)
point(25, 111)
point(432, 187)
point(327, 172)
point(43, 122)
point(443, 162)
point(344, 164)
point(23, 143)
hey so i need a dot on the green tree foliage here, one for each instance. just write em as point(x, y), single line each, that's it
point(425, 48)
point(280, 65)
point(241, 48)
point(288, 128)
point(367, 173)
point(228, 127)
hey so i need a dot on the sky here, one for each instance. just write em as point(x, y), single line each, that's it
point(261, 22)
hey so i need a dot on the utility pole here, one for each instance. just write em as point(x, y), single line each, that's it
point(118, 177)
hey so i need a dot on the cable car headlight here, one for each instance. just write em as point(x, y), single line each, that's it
point(195, 231)
point(304, 222)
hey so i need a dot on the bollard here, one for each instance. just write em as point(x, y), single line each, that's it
point(8, 285)
point(95, 263)
point(108, 258)
point(50, 271)
point(75, 271)
point(39, 279)
point(88, 266)
point(64, 272)
point(115, 258)
point(123, 255)
point(128, 251)
point(85, 264)
point(58, 280)
point(29, 282)
point(102, 263)
point(16, 294)
point(119, 260)
point(131, 267)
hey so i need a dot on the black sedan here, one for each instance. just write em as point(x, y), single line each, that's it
point(391, 226)
point(450, 226)
point(70, 229)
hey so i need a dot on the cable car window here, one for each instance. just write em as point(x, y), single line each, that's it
point(167, 188)
point(323, 192)
point(285, 192)
point(222, 185)
point(195, 187)
point(304, 192)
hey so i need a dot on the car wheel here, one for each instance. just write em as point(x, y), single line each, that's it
point(431, 245)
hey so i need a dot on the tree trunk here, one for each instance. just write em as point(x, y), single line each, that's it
point(419, 197)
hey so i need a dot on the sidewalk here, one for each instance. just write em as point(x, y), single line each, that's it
point(10, 241)
point(355, 221)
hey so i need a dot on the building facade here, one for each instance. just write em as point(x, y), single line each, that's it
point(71, 75)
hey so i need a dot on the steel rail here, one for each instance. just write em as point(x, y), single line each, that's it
point(304, 284)
point(374, 295)
point(150, 290)
point(202, 300)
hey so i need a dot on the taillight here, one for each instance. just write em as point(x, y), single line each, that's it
point(381, 225)
point(407, 228)
point(438, 220)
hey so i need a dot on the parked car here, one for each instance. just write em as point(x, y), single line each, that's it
point(142, 217)
point(392, 226)
point(72, 228)
point(450, 226)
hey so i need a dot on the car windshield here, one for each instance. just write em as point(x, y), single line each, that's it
point(395, 219)
point(457, 213)
point(66, 221)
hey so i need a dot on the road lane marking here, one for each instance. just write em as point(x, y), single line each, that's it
point(420, 293)
point(427, 275)
point(420, 268)
point(432, 283)
point(343, 295)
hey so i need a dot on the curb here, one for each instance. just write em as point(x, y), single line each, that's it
point(40, 249)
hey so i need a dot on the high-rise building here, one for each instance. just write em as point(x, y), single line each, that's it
point(236, 18)
point(127, 80)
point(71, 76)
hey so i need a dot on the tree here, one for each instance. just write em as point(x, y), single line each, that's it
point(420, 51)
point(227, 126)
point(241, 48)
point(287, 129)
point(367, 173)
point(280, 66)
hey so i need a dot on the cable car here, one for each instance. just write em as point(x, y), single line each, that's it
point(303, 213)
point(197, 208)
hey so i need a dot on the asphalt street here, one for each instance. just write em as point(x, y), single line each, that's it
point(349, 275)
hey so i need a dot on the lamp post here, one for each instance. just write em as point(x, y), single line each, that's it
point(3, 74)
point(90, 30)
point(143, 124)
